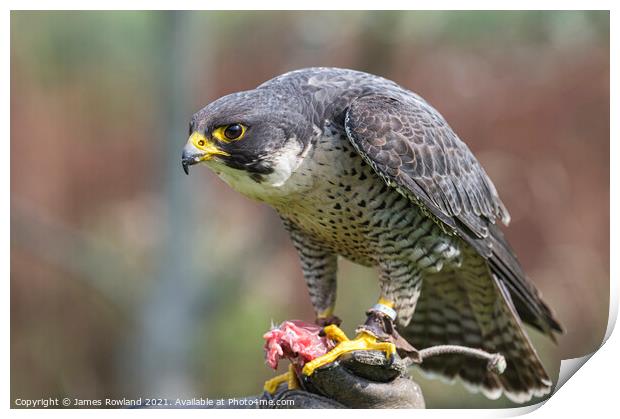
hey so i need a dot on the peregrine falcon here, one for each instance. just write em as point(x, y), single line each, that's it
point(360, 167)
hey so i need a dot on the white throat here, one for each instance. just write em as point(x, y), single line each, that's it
point(273, 186)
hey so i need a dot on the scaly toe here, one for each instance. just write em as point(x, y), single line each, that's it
point(362, 342)
point(290, 378)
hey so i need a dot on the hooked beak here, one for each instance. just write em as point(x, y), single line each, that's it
point(198, 148)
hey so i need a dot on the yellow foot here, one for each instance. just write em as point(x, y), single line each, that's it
point(362, 342)
point(288, 377)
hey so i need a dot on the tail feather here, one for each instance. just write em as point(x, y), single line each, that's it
point(468, 307)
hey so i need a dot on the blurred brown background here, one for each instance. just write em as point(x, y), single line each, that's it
point(130, 279)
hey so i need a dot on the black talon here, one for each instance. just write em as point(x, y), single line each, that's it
point(391, 359)
point(382, 327)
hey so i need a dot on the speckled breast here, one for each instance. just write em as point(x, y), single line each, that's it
point(348, 209)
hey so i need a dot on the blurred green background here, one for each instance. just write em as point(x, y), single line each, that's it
point(130, 279)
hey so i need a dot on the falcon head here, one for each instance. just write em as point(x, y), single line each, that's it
point(252, 140)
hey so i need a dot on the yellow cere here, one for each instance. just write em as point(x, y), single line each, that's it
point(209, 149)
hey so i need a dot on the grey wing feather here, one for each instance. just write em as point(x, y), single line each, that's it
point(411, 146)
point(417, 149)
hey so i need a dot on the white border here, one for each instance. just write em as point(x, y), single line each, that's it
point(310, 5)
point(592, 391)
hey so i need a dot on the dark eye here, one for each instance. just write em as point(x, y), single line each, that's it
point(234, 131)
